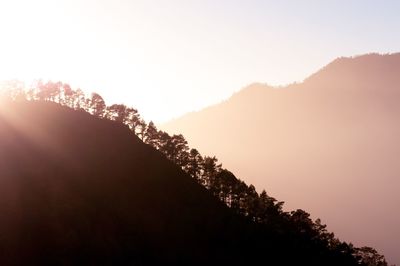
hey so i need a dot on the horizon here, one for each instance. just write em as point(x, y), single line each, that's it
point(88, 91)
point(170, 59)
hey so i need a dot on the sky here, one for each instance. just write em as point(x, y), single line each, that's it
point(167, 58)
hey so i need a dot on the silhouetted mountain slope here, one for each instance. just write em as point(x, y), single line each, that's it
point(78, 190)
point(329, 145)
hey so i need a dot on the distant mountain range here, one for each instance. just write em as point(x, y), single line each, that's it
point(329, 144)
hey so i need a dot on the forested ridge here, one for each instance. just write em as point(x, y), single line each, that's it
point(242, 199)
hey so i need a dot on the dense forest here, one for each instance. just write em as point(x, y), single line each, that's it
point(242, 199)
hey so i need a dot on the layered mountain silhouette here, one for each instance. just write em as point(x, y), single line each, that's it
point(329, 144)
point(79, 190)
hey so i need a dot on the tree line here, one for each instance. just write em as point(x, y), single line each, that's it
point(236, 194)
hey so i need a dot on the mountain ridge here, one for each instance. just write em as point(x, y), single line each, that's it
point(300, 129)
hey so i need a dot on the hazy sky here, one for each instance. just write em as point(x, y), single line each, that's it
point(170, 57)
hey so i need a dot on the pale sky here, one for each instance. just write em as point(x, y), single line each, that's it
point(167, 58)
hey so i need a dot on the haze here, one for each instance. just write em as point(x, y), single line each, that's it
point(329, 144)
point(168, 58)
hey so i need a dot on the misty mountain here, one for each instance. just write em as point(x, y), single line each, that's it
point(329, 144)
point(79, 190)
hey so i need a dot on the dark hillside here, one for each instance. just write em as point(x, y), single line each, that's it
point(79, 190)
point(77, 187)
